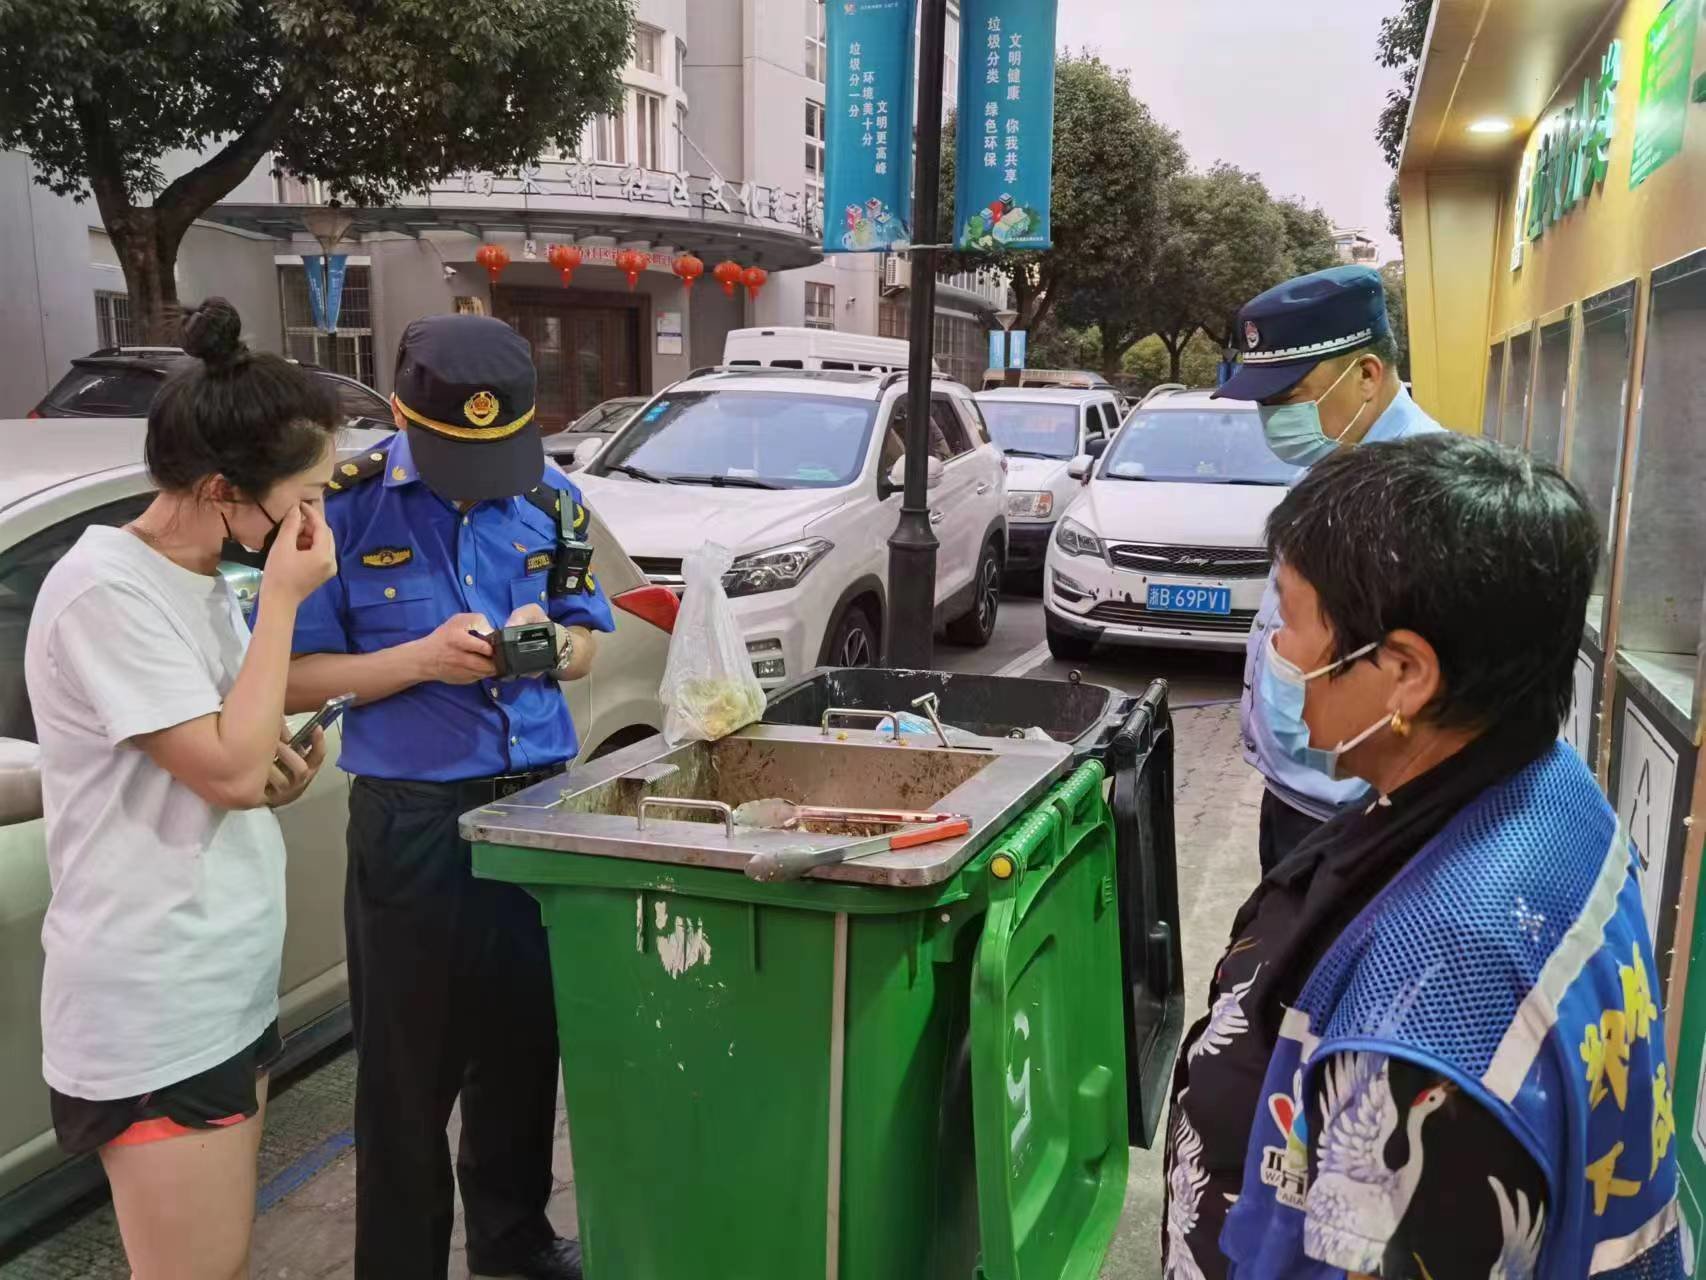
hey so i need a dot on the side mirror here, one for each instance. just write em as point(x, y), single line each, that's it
point(1097, 447)
point(897, 475)
point(1079, 468)
point(585, 452)
point(20, 782)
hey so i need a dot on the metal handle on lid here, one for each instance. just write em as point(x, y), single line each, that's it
point(709, 806)
point(863, 714)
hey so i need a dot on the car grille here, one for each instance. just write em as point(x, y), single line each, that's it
point(661, 570)
point(1126, 613)
point(1210, 562)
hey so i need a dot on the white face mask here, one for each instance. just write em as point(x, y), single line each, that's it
point(1284, 690)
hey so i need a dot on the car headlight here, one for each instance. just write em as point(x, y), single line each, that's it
point(776, 568)
point(1074, 539)
point(1029, 505)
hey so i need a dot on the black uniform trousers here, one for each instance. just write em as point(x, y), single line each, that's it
point(450, 993)
point(1283, 829)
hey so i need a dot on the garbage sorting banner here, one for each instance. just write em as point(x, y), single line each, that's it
point(868, 142)
point(1005, 153)
point(325, 288)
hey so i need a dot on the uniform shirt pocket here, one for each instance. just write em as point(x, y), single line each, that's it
point(530, 590)
point(391, 606)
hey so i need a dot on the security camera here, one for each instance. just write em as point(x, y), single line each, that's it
point(449, 272)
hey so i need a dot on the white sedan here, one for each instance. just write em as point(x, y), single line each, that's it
point(1165, 545)
point(64, 475)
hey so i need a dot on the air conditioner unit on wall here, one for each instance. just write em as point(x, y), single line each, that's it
point(897, 273)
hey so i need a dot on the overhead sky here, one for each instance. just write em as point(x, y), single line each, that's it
point(1287, 88)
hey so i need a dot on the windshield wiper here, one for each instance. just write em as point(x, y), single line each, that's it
point(725, 482)
point(1032, 453)
point(636, 472)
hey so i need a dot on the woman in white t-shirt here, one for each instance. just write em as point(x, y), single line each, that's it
point(163, 756)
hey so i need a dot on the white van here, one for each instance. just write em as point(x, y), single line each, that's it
point(815, 349)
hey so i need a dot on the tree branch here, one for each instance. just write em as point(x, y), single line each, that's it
point(193, 193)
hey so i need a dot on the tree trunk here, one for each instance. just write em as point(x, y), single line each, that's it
point(1175, 356)
point(1114, 347)
point(148, 254)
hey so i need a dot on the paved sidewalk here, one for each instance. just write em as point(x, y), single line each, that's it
point(306, 1227)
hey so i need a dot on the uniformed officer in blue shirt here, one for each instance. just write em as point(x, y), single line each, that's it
point(1319, 359)
point(449, 530)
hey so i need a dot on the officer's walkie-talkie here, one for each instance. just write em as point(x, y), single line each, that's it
point(574, 553)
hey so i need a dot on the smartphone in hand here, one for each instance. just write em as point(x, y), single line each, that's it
point(324, 718)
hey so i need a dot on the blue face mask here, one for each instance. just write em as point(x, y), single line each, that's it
point(1295, 433)
point(1284, 688)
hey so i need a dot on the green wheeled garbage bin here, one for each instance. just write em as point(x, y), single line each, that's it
point(819, 1078)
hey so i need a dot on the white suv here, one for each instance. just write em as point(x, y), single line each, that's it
point(1041, 430)
point(797, 473)
point(1166, 543)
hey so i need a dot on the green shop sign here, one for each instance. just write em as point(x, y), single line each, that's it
point(1574, 156)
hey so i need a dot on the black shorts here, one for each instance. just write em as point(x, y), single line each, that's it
point(220, 1096)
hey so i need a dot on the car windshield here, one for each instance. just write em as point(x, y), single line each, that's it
point(763, 439)
point(606, 417)
point(1032, 430)
point(1206, 446)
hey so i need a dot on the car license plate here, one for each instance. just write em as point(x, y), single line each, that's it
point(1174, 599)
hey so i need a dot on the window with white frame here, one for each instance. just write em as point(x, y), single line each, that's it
point(350, 350)
point(814, 149)
point(648, 130)
point(113, 325)
point(683, 150)
point(647, 41)
point(610, 137)
point(681, 62)
point(820, 305)
point(817, 41)
point(951, 70)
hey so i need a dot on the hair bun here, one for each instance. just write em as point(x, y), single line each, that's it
point(213, 333)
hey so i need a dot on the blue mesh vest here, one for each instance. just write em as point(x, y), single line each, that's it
point(1511, 955)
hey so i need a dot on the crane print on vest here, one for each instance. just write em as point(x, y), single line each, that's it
point(1186, 1180)
point(1357, 1200)
point(1524, 1230)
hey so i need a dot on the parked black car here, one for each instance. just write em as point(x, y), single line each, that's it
point(121, 382)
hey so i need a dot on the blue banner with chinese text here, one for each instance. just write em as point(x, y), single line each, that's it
point(1005, 154)
point(325, 288)
point(868, 143)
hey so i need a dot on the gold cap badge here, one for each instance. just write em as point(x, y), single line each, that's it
point(481, 409)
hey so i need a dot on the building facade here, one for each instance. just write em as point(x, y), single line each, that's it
point(1552, 187)
point(717, 152)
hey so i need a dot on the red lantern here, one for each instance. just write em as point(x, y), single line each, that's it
point(728, 274)
point(565, 258)
point(630, 262)
point(494, 258)
point(688, 269)
point(755, 278)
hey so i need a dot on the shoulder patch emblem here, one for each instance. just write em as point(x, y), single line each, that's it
point(387, 557)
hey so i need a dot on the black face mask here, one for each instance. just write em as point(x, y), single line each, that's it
point(235, 552)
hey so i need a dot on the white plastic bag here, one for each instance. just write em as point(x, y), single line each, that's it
point(708, 689)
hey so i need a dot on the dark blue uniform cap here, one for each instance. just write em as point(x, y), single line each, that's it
point(1293, 327)
point(466, 384)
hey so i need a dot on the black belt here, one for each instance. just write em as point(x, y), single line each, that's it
point(488, 790)
point(473, 792)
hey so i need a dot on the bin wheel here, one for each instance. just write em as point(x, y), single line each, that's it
point(977, 626)
point(1067, 647)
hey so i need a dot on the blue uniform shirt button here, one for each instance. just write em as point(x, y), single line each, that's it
point(468, 578)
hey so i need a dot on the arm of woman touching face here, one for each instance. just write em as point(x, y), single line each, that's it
point(227, 757)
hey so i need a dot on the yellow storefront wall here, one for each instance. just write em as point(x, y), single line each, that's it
point(1459, 229)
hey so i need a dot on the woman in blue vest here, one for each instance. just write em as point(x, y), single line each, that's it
point(1434, 1046)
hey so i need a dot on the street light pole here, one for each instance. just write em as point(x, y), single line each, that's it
point(1007, 318)
point(911, 621)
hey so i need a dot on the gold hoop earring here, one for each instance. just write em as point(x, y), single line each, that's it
point(1400, 726)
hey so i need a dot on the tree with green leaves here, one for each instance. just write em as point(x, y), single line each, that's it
point(1397, 310)
point(375, 98)
point(1399, 46)
point(1308, 237)
point(1111, 161)
point(1235, 241)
